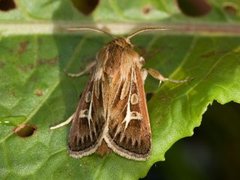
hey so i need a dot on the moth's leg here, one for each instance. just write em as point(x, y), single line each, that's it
point(144, 74)
point(157, 75)
point(85, 71)
point(63, 123)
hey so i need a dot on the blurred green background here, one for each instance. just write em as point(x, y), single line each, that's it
point(212, 153)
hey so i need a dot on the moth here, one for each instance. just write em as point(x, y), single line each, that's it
point(112, 110)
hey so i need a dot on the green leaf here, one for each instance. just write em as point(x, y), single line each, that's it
point(175, 109)
point(35, 90)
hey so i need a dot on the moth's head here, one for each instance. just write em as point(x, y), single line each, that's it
point(122, 42)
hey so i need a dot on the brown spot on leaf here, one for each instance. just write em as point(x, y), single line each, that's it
point(85, 6)
point(24, 130)
point(50, 61)
point(26, 67)
point(38, 92)
point(194, 8)
point(230, 9)
point(212, 53)
point(7, 5)
point(12, 93)
point(2, 64)
point(208, 54)
point(22, 47)
point(147, 9)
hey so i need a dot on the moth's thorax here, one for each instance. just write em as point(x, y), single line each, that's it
point(117, 57)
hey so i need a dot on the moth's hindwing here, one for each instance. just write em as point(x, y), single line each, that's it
point(129, 132)
point(88, 123)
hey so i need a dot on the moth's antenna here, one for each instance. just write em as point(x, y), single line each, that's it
point(89, 29)
point(144, 30)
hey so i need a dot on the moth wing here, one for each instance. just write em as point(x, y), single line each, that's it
point(88, 122)
point(129, 132)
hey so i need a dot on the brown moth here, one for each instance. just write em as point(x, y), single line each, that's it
point(112, 110)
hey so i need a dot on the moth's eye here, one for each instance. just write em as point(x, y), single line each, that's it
point(141, 60)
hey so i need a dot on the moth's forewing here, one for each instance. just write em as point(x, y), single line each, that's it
point(129, 132)
point(87, 125)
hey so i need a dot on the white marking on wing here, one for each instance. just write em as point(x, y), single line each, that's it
point(131, 115)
